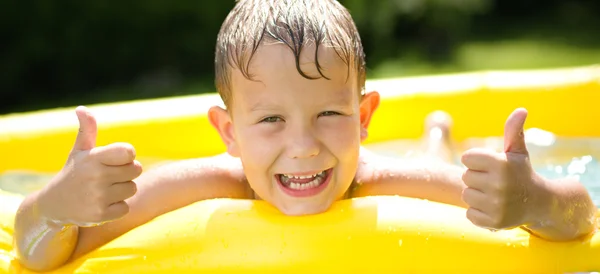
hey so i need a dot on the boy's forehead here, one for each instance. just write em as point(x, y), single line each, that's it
point(276, 63)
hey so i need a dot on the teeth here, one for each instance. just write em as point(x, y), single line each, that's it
point(304, 176)
point(317, 180)
point(312, 184)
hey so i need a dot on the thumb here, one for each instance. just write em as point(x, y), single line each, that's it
point(86, 138)
point(514, 137)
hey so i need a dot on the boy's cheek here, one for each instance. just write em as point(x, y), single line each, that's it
point(345, 135)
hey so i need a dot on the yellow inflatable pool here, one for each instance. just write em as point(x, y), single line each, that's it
point(363, 235)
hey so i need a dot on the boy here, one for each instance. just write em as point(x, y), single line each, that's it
point(291, 74)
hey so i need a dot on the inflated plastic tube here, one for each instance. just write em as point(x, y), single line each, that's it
point(384, 234)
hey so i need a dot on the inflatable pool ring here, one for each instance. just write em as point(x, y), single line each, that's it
point(362, 235)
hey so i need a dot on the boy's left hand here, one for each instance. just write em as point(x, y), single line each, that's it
point(500, 186)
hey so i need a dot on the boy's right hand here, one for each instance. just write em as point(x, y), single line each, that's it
point(92, 187)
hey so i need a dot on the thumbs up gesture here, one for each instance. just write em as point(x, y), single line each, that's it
point(501, 186)
point(94, 183)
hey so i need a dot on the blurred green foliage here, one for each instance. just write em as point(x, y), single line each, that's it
point(58, 53)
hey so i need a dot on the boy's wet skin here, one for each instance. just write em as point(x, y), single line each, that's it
point(284, 126)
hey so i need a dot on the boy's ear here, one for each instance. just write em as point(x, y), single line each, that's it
point(368, 105)
point(219, 118)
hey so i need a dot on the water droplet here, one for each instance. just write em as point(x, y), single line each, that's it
point(462, 235)
point(400, 242)
point(507, 244)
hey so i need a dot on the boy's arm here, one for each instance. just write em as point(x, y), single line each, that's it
point(558, 210)
point(160, 190)
point(561, 210)
point(170, 187)
point(499, 190)
point(435, 180)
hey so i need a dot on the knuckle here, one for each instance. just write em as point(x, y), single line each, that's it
point(466, 196)
point(465, 176)
point(134, 189)
point(124, 209)
point(467, 157)
point(138, 168)
point(127, 191)
point(464, 157)
point(133, 170)
point(471, 216)
point(126, 150)
point(120, 209)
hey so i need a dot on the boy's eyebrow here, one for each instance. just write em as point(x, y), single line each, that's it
point(342, 97)
point(260, 106)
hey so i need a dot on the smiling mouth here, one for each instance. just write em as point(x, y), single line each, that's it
point(304, 185)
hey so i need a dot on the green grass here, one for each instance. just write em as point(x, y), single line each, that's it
point(492, 55)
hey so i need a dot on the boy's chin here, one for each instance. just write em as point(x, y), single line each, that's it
point(300, 209)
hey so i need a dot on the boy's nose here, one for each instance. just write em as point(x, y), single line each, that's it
point(303, 144)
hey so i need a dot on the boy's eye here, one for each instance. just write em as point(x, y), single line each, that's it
point(329, 113)
point(270, 119)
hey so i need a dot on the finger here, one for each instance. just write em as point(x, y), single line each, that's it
point(124, 173)
point(116, 210)
point(514, 137)
point(478, 218)
point(121, 191)
point(115, 154)
point(479, 159)
point(478, 180)
point(476, 199)
point(88, 129)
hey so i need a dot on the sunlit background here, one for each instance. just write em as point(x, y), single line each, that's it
point(65, 53)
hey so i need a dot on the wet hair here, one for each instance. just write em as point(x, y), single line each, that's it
point(294, 23)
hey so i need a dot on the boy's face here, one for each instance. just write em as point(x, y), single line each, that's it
point(298, 139)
